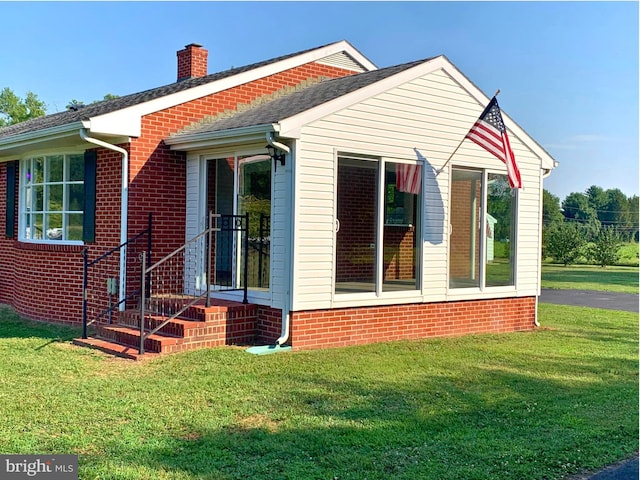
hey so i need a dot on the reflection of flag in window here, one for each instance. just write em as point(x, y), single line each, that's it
point(408, 178)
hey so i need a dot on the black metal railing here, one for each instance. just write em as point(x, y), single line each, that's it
point(102, 278)
point(189, 274)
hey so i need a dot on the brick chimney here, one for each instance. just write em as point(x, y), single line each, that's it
point(192, 62)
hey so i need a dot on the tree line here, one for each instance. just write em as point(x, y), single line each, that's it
point(591, 224)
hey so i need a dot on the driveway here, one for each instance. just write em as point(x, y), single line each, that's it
point(627, 302)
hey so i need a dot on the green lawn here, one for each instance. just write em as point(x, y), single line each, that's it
point(535, 405)
point(590, 277)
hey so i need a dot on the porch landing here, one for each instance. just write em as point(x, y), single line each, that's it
point(223, 323)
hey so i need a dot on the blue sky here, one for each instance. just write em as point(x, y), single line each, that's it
point(567, 71)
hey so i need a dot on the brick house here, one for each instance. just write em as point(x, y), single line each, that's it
point(335, 252)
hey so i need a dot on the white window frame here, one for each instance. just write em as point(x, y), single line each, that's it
point(26, 166)
point(482, 287)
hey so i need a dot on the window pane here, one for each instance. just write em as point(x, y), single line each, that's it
point(255, 199)
point(55, 172)
point(76, 198)
point(76, 168)
point(399, 236)
point(53, 226)
point(499, 231)
point(54, 198)
point(464, 241)
point(37, 204)
point(37, 227)
point(37, 175)
point(74, 227)
point(357, 217)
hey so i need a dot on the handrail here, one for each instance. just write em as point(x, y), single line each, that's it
point(145, 274)
point(85, 281)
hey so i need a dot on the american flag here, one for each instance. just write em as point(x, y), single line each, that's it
point(408, 178)
point(490, 133)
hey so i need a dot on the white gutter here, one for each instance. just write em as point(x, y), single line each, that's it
point(124, 208)
point(284, 335)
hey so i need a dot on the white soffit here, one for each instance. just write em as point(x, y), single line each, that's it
point(127, 121)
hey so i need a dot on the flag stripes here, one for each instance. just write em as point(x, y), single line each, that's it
point(490, 133)
point(408, 178)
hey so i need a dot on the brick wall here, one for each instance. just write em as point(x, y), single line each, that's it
point(269, 326)
point(361, 325)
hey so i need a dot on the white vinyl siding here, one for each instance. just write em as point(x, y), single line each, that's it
point(431, 114)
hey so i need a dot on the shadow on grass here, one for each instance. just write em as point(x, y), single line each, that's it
point(13, 326)
point(491, 423)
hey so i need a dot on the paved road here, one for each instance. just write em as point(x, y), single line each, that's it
point(626, 471)
point(628, 302)
point(589, 298)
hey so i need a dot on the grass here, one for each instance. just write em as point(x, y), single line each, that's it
point(590, 277)
point(537, 405)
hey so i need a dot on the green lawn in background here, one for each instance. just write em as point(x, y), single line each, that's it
point(590, 277)
point(544, 404)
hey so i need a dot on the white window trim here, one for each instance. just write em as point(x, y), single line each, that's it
point(379, 296)
point(483, 291)
point(22, 184)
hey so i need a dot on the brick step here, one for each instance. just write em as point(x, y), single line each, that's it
point(113, 348)
point(225, 323)
point(175, 328)
point(131, 337)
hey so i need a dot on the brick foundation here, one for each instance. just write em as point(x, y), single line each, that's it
point(361, 325)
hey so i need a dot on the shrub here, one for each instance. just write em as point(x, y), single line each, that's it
point(565, 243)
point(604, 249)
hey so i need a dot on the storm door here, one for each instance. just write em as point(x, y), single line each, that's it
point(241, 186)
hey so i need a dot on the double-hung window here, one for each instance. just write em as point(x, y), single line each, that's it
point(52, 198)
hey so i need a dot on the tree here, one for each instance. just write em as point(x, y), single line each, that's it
point(75, 104)
point(604, 250)
point(551, 214)
point(634, 216)
point(14, 110)
point(576, 208)
point(596, 198)
point(565, 242)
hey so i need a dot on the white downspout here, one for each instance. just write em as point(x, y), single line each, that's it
point(284, 335)
point(124, 208)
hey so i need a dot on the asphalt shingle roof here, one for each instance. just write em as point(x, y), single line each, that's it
point(297, 102)
point(108, 106)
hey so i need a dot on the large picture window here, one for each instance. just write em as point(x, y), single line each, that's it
point(52, 198)
point(377, 237)
point(482, 238)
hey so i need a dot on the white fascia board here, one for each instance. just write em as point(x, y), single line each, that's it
point(128, 120)
point(41, 135)
point(197, 141)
